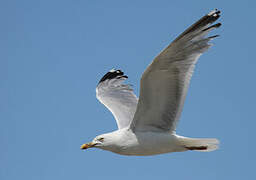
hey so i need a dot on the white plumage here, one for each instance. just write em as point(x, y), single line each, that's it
point(118, 98)
point(147, 126)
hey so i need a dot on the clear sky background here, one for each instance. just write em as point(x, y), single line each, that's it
point(53, 53)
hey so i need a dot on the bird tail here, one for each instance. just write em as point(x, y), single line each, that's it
point(199, 144)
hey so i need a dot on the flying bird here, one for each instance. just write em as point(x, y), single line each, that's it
point(147, 126)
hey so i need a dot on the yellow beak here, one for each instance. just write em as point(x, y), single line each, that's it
point(88, 145)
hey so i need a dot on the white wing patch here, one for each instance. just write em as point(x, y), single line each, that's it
point(117, 97)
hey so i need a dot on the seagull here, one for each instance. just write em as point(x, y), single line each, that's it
point(147, 126)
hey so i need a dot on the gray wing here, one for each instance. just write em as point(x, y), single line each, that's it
point(164, 84)
point(117, 97)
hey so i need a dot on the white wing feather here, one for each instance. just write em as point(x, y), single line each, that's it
point(117, 97)
point(165, 82)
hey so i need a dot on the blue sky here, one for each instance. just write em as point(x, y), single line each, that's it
point(54, 52)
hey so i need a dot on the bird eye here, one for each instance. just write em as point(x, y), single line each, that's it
point(101, 139)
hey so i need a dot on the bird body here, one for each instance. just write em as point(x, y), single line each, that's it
point(142, 143)
point(147, 125)
point(127, 142)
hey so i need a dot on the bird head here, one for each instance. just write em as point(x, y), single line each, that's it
point(99, 141)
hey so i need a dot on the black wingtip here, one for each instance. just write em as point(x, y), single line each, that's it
point(215, 36)
point(213, 26)
point(209, 18)
point(113, 74)
point(214, 12)
point(212, 16)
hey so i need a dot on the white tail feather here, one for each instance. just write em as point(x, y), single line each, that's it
point(200, 144)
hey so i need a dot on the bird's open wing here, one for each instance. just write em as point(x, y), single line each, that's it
point(117, 97)
point(164, 84)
